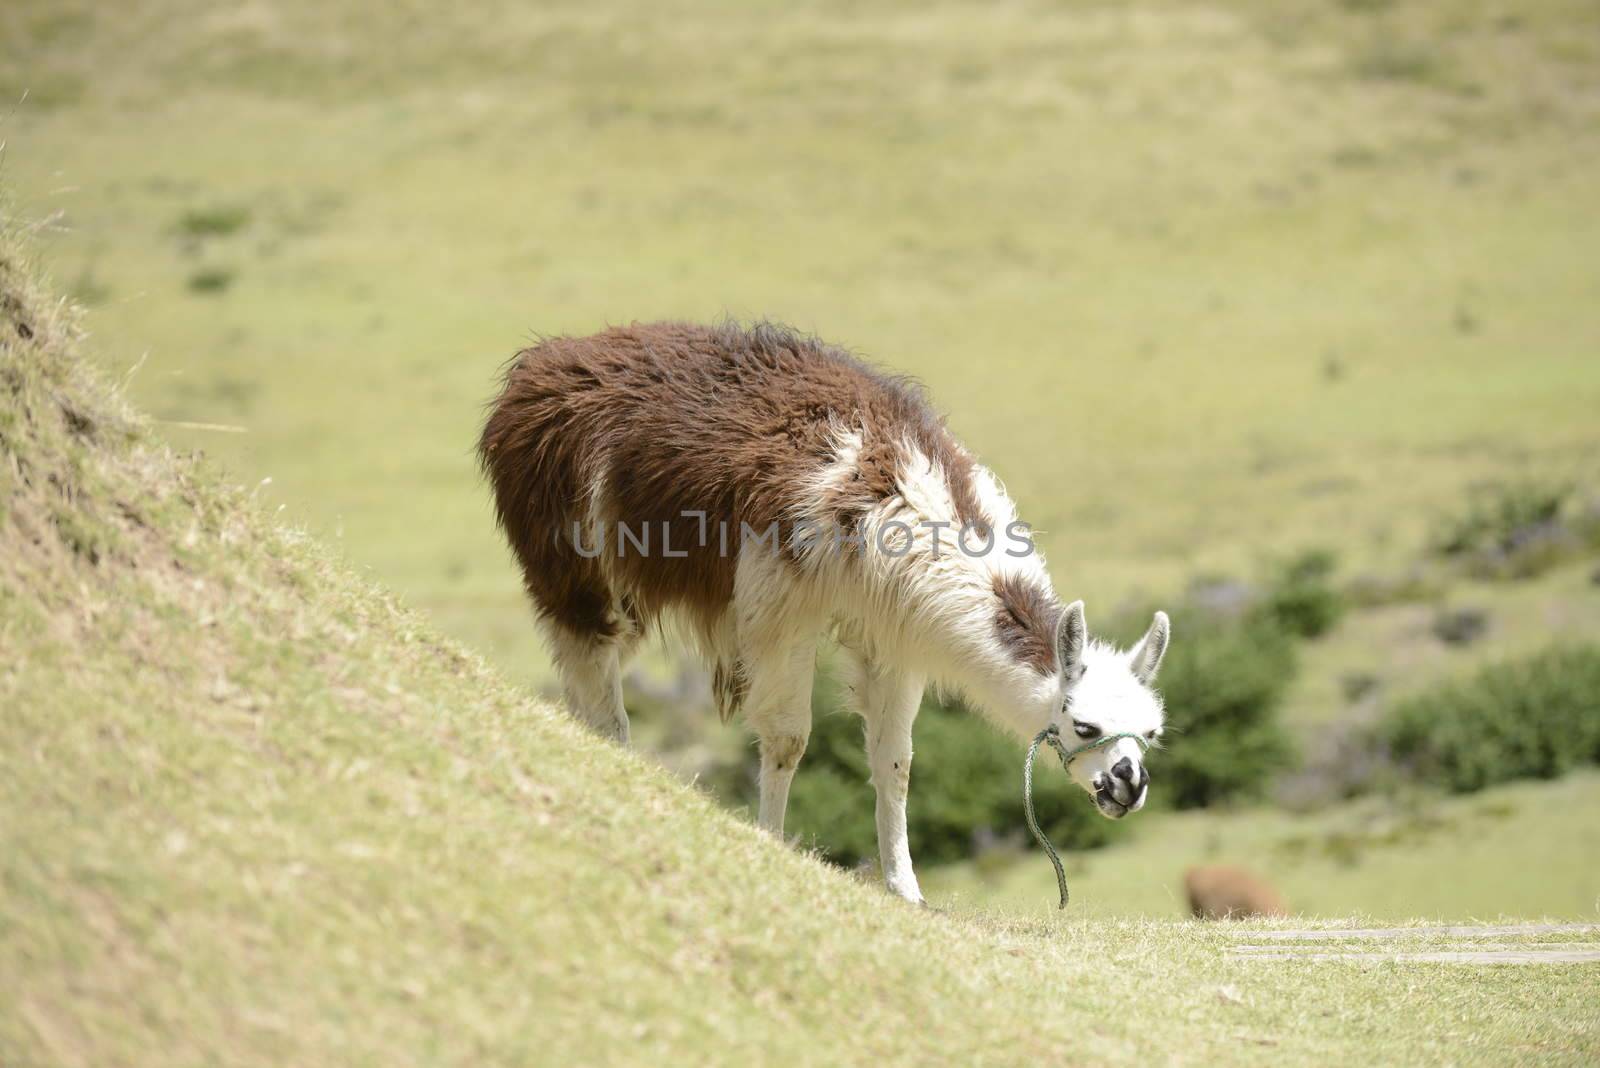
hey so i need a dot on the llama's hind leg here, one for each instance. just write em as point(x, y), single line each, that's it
point(778, 705)
point(591, 680)
point(775, 638)
point(888, 700)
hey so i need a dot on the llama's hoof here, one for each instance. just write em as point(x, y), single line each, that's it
point(914, 897)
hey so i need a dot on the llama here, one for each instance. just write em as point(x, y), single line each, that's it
point(792, 491)
point(1221, 892)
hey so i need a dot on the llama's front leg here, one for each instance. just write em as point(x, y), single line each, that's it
point(889, 701)
point(779, 708)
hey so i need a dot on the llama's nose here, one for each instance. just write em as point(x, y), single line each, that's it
point(1122, 790)
point(1125, 784)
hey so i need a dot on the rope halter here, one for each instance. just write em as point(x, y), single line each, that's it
point(1052, 735)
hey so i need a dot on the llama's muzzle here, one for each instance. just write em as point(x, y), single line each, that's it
point(1123, 789)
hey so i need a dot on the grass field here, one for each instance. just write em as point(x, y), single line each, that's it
point(256, 811)
point(1454, 860)
point(1204, 284)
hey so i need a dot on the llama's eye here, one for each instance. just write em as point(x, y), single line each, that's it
point(1085, 730)
point(1150, 735)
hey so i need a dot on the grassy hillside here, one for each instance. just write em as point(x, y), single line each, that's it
point(255, 811)
point(1202, 281)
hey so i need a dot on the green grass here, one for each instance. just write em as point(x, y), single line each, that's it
point(1515, 851)
point(1202, 284)
point(256, 811)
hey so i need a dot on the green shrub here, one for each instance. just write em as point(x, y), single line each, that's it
point(1386, 59)
point(1222, 683)
point(1535, 718)
point(1302, 598)
point(1498, 516)
point(1518, 530)
point(210, 280)
point(217, 220)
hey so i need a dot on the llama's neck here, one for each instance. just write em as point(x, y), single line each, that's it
point(1013, 696)
point(953, 609)
point(961, 649)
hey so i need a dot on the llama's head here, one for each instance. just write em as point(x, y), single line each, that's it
point(1107, 692)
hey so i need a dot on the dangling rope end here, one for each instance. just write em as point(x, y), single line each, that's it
point(1051, 735)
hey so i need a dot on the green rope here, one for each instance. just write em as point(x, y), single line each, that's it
point(1052, 734)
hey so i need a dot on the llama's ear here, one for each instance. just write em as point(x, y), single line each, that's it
point(1145, 659)
point(1071, 634)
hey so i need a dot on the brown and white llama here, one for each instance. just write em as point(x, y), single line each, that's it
point(760, 488)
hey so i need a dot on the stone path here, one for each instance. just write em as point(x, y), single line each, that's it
point(1280, 945)
point(1325, 934)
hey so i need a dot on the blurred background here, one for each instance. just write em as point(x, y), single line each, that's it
point(1284, 316)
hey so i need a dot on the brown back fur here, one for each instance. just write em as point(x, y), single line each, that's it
point(674, 417)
